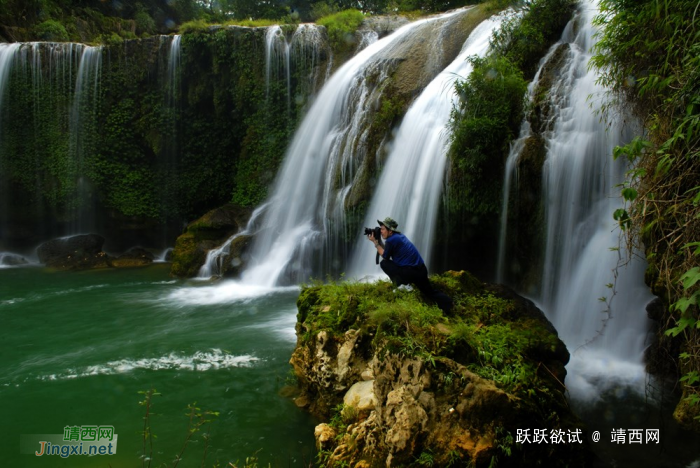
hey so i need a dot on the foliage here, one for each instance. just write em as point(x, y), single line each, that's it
point(490, 109)
point(486, 120)
point(321, 9)
point(341, 28)
point(524, 40)
point(486, 333)
point(144, 23)
point(51, 30)
point(145, 165)
point(649, 56)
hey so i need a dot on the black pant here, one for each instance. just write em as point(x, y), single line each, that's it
point(418, 276)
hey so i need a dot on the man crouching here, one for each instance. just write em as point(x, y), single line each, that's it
point(403, 264)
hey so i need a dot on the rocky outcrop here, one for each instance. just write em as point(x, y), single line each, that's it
point(208, 232)
point(135, 257)
point(84, 252)
point(398, 383)
point(81, 252)
point(8, 259)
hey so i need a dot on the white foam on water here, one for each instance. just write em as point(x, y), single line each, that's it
point(281, 325)
point(591, 374)
point(222, 293)
point(200, 361)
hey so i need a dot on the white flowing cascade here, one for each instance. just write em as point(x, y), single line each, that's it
point(277, 59)
point(7, 55)
point(174, 59)
point(303, 196)
point(84, 109)
point(213, 264)
point(596, 303)
point(412, 179)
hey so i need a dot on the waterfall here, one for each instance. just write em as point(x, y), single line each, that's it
point(213, 265)
point(596, 303)
point(173, 80)
point(83, 116)
point(277, 60)
point(412, 179)
point(307, 46)
point(7, 55)
point(34, 69)
point(299, 219)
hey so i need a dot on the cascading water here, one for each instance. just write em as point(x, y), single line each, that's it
point(82, 125)
point(277, 60)
point(412, 179)
point(34, 69)
point(213, 265)
point(174, 59)
point(7, 55)
point(306, 49)
point(297, 221)
point(596, 304)
point(298, 56)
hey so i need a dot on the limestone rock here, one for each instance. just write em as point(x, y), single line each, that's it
point(361, 396)
point(398, 404)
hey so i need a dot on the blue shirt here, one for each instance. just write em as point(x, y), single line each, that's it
point(401, 251)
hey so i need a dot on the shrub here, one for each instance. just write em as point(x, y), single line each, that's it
point(341, 28)
point(488, 117)
point(51, 30)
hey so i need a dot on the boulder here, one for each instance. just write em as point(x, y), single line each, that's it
point(8, 259)
point(135, 257)
point(80, 252)
point(412, 382)
point(206, 233)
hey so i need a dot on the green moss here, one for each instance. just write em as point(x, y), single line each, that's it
point(51, 30)
point(186, 257)
point(493, 336)
point(341, 28)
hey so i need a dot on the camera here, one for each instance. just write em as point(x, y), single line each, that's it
point(376, 231)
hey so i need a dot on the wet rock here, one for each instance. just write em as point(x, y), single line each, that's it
point(81, 252)
point(12, 260)
point(209, 232)
point(398, 403)
point(135, 257)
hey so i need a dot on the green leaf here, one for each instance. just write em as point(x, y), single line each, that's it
point(691, 277)
point(683, 303)
point(691, 378)
point(629, 194)
point(683, 323)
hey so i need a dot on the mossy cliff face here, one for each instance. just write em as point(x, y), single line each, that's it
point(403, 73)
point(526, 223)
point(152, 142)
point(397, 381)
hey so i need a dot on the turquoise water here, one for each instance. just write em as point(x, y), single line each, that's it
point(76, 348)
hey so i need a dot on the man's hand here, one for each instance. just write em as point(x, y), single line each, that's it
point(371, 237)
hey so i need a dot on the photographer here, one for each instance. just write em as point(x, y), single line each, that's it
point(403, 264)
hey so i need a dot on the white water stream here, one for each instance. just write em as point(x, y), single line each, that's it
point(297, 219)
point(596, 303)
point(412, 179)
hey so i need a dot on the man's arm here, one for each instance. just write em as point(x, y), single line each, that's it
point(377, 245)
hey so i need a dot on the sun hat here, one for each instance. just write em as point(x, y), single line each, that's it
point(389, 224)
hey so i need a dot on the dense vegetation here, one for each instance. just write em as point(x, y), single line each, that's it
point(490, 332)
point(488, 118)
point(89, 21)
point(649, 55)
point(147, 146)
